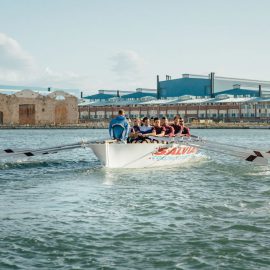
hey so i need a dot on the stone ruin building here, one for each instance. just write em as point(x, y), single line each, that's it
point(27, 107)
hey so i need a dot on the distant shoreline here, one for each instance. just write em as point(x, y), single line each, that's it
point(97, 126)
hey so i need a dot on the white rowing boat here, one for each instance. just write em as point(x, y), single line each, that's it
point(165, 152)
point(140, 155)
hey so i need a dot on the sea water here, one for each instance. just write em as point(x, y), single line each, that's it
point(65, 211)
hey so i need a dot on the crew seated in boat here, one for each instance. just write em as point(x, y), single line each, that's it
point(134, 131)
point(176, 126)
point(184, 130)
point(169, 130)
point(136, 126)
point(178, 116)
point(158, 129)
point(119, 127)
point(152, 121)
point(145, 131)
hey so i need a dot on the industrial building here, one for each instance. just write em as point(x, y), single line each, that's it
point(224, 107)
point(27, 107)
point(191, 96)
point(199, 85)
point(125, 95)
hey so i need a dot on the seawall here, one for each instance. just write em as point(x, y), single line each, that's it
point(105, 124)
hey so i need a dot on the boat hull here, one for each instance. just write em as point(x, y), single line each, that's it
point(118, 155)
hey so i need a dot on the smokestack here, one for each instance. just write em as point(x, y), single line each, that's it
point(81, 94)
point(260, 90)
point(49, 89)
point(158, 88)
point(117, 93)
point(212, 86)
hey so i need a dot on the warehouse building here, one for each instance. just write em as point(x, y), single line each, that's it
point(199, 85)
point(103, 95)
point(192, 85)
point(192, 96)
point(27, 107)
point(224, 107)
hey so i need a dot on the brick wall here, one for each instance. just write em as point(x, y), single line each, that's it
point(28, 107)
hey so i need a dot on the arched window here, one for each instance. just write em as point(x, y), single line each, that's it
point(60, 98)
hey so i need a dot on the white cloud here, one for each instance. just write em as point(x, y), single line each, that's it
point(60, 79)
point(12, 55)
point(15, 63)
point(128, 64)
point(19, 67)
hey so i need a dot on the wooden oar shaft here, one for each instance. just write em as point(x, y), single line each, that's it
point(21, 151)
point(43, 151)
point(231, 150)
point(226, 144)
point(47, 150)
point(248, 154)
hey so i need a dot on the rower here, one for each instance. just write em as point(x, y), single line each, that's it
point(145, 130)
point(162, 121)
point(152, 121)
point(136, 126)
point(158, 129)
point(169, 130)
point(184, 130)
point(119, 127)
point(176, 125)
point(134, 131)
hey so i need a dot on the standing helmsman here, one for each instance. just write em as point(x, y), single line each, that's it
point(119, 127)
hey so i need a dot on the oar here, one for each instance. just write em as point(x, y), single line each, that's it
point(265, 154)
point(254, 156)
point(11, 152)
point(245, 153)
point(44, 151)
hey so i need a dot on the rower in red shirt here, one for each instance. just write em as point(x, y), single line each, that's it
point(134, 131)
point(158, 129)
point(136, 126)
point(176, 125)
point(169, 130)
point(184, 130)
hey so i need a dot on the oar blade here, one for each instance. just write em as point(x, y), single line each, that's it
point(258, 157)
point(37, 152)
point(257, 160)
point(244, 153)
point(9, 152)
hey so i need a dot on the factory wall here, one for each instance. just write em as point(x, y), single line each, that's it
point(226, 111)
point(30, 108)
point(222, 83)
point(185, 86)
point(202, 87)
point(239, 92)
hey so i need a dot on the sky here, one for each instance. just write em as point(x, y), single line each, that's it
point(124, 44)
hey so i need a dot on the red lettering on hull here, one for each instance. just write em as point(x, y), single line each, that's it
point(175, 151)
